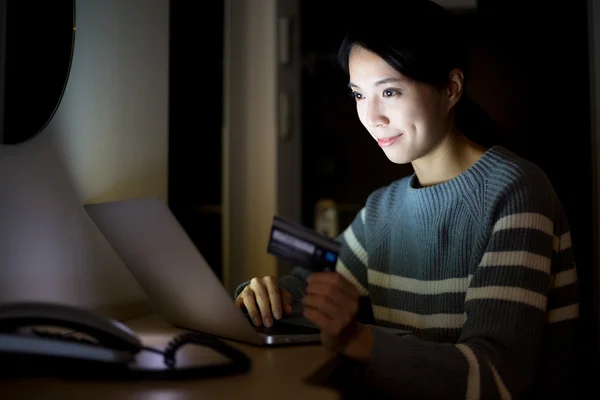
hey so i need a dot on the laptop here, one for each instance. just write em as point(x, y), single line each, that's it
point(178, 281)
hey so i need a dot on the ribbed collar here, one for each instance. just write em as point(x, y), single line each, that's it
point(471, 179)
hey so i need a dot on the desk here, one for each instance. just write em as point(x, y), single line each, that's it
point(277, 373)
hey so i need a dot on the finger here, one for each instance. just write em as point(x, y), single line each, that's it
point(331, 291)
point(327, 325)
point(250, 304)
point(240, 301)
point(262, 299)
point(286, 299)
point(274, 295)
point(334, 278)
point(324, 305)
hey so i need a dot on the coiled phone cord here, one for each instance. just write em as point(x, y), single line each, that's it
point(238, 358)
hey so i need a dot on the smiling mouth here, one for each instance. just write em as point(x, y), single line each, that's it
point(385, 142)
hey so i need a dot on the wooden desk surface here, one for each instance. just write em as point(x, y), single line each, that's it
point(277, 373)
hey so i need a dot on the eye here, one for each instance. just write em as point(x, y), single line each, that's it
point(356, 96)
point(390, 92)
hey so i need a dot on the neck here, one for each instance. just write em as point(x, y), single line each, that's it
point(450, 158)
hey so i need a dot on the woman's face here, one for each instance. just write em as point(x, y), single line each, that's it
point(408, 119)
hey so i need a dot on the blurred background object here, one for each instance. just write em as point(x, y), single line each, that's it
point(327, 218)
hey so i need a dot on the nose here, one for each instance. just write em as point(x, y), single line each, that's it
point(374, 114)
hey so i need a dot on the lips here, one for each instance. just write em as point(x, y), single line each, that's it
point(388, 141)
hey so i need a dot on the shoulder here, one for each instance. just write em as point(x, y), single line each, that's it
point(389, 194)
point(517, 184)
point(382, 201)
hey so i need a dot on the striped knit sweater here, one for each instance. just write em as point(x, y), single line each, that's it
point(480, 268)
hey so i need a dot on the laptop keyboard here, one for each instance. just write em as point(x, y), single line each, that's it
point(295, 326)
point(283, 328)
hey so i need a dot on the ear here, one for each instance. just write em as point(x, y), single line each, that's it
point(455, 87)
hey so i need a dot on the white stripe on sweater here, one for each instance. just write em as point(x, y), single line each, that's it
point(516, 258)
point(473, 377)
point(563, 313)
point(564, 278)
point(525, 220)
point(419, 321)
point(502, 390)
point(561, 243)
point(507, 293)
point(389, 281)
point(345, 272)
point(354, 245)
point(534, 221)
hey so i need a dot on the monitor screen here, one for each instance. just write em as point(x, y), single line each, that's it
point(2, 64)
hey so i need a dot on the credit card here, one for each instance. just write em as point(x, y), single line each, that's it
point(302, 246)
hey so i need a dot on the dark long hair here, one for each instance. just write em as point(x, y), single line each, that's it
point(424, 42)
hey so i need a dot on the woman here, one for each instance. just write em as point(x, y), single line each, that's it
point(471, 253)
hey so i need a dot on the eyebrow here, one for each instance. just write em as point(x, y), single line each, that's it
point(378, 83)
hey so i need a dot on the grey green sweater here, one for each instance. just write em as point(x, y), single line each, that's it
point(480, 269)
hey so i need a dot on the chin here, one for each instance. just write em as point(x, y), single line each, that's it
point(398, 157)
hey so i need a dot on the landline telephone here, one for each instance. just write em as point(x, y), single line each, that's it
point(38, 338)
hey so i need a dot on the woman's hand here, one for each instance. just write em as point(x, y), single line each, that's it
point(331, 302)
point(264, 299)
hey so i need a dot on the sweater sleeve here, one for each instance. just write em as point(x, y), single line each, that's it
point(523, 293)
point(353, 260)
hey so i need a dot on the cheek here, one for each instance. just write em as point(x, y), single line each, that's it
point(361, 111)
point(420, 114)
point(407, 114)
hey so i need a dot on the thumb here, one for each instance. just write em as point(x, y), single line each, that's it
point(286, 300)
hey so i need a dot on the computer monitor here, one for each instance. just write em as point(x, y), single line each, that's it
point(36, 49)
point(2, 65)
